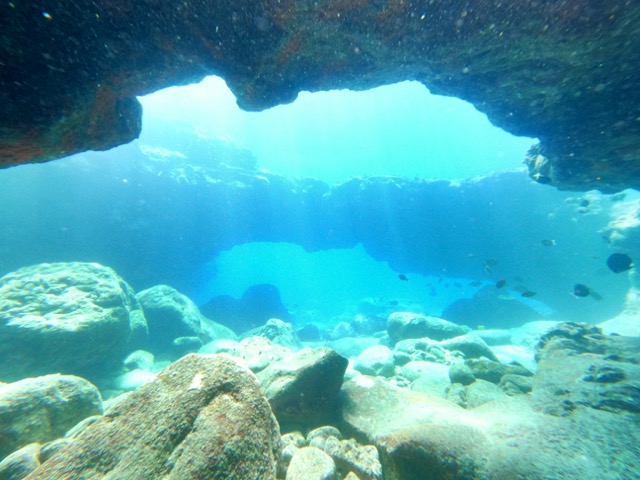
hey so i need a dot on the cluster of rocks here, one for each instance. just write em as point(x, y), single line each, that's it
point(83, 319)
point(324, 454)
point(575, 424)
point(424, 398)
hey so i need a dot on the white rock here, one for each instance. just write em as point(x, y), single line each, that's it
point(310, 463)
point(133, 379)
point(377, 361)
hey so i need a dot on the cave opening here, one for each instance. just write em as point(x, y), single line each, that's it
point(400, 129)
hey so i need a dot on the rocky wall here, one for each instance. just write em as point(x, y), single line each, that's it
point(565, 71)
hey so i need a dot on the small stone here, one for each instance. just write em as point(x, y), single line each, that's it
point(457, 393)
point(279, 332)
point(513, 384)
point(310, 463)
point(486, 369)
point(461, 373)
point(401, 358)
point(481, 391)
point(303, 390)
point(341, 330)
point(403, 325)
point(352, 476)
point(471, 346)
point(318, 436)
point(351, 456)
point(377, 361)
point(140, 359)
point(132, 380)
point(294, 438)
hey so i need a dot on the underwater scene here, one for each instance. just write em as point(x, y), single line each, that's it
point(373, 279)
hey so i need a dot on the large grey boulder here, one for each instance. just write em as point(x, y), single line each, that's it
point(43, 408)
point(75, 318)
point(303, 388)
point(404, 325)
point(172, 316)
point(203, 417)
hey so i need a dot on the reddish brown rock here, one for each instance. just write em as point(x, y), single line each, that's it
point(203, 417)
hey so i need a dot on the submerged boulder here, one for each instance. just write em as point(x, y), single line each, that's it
point(278, 332)
point(490, 308)
point(303, 388)
point(44, 408)
point(404, 325)
point(203, 417)
point(258, 304)
point(172, 318)
point(76, 318)
point(581, 367)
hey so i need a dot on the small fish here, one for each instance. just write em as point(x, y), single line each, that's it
point(619, 262)
point(402, 276)
point(475, 283)
point(548, 243)
point(481, 327)
point(393, 303)
point(501, 283)
point(580, 290)
point(528, 294)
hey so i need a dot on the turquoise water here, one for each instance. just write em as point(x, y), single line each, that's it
point(161, 210)
point(398, 129)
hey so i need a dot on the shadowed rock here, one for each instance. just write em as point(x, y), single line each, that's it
point(171, 315)
point(303, 388)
